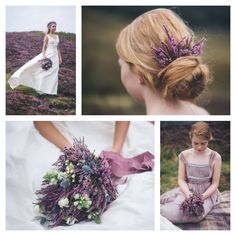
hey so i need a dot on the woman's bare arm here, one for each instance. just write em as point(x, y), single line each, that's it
point(215, 178)
point(45, 43)
point(52, 134)
point(181, 179)
point(59, 53)
point(121, 129)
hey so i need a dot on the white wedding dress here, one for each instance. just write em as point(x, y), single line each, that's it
point(32, 75)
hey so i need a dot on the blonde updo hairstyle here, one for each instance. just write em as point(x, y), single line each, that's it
point(201, 130)
point(185, 78)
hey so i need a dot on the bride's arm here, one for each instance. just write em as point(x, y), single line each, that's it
point(52, 134)
point(45, 43)
point(121, 129)
point(59, 53)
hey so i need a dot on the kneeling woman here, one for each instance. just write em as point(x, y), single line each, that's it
point(199, 174)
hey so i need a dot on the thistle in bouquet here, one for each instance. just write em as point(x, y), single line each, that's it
point(193, 206)
point(79, 188)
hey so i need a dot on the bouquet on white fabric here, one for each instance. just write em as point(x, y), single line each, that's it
point(78, 188)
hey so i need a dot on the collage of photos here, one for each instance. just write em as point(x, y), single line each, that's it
point(117, 117)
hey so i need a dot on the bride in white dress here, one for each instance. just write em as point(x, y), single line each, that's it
point(32, 75)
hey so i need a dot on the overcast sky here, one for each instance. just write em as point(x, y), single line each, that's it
point(35, 18)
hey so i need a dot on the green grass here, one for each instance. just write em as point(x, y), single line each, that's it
point(117, 104)
point(169, 169)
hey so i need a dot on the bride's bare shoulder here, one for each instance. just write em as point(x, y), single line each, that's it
point(201, 111)
point(45, 37)
point(197, 110)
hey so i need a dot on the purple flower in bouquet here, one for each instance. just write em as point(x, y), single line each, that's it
point(46, 63)
point(193, 206)
point(78, 188)
point(172, 50)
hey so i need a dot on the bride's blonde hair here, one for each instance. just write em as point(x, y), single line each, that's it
point(185, 78)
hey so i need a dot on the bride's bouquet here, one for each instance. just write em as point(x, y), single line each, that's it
point(46, 63)
point(193, 206)
point(78, 188)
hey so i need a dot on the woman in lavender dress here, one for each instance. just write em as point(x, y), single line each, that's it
point(199, 172)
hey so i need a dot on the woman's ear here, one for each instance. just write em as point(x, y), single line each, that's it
point(141, 80)
point(139, 76)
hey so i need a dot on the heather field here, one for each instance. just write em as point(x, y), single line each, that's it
point(20, 48)
point(175, 138)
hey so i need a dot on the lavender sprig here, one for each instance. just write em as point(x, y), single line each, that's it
point(170, 51)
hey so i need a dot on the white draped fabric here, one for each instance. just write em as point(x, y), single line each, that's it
point(32, 75)
point(29, 156)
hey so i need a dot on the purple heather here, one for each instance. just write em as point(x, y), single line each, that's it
point(170, 51)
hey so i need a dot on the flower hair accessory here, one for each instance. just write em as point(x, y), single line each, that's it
point(172, 50)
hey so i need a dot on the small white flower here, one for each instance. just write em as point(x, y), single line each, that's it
point(71, 220)
point(64, 202)
point(77, 196)
point(38, 209)
point(53, 181)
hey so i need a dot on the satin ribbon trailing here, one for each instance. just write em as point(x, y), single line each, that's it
point(121, 166)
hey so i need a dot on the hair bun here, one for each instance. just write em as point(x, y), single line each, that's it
point(185, 78)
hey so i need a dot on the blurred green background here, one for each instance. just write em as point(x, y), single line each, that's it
point(175, 139)
point(102, 91)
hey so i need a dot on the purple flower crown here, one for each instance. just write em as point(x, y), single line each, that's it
point(172, 50)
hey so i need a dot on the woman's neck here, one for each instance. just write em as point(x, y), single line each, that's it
point(157, 105)
point(201, 154)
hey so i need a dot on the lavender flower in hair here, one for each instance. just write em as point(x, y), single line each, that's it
point(170, 51)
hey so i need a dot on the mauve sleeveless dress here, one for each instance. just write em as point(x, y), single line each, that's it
point(198, 178)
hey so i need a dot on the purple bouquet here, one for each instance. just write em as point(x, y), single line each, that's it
point(78, 188)
point(46, 63)
point(193, 206)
